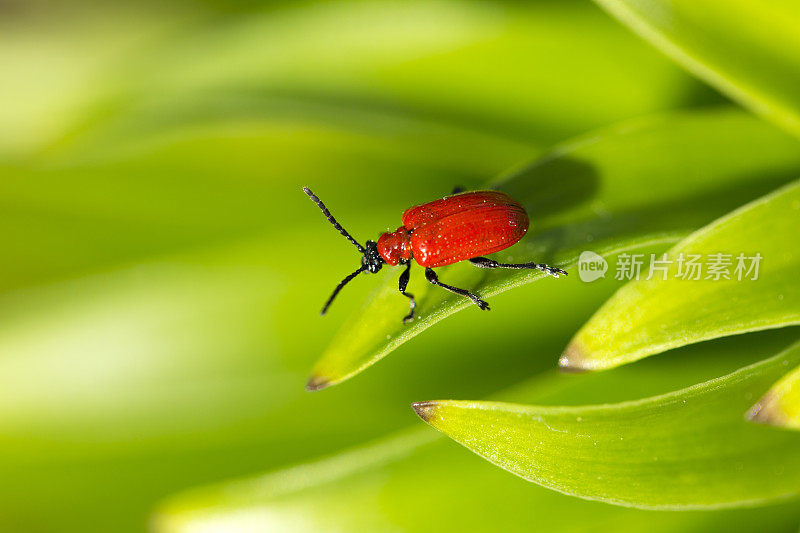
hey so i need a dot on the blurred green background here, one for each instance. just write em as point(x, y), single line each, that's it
point(162, 271)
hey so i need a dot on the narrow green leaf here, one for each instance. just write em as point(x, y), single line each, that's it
point(780, 406)
point(748, 50)
point(684, 304)
point(587, 195)
point(690, 449)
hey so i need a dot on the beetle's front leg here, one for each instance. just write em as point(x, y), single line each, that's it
point(402, 284)
point(485, 262)
point(431, 276)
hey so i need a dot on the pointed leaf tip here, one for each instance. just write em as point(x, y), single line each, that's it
point(572, 361)
point(425, 410)
point(780, 405)
point(316, 383)
point(768, 411)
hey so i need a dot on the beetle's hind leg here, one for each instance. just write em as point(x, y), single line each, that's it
point(485, 262)
point(402, 284)
point(431, 276)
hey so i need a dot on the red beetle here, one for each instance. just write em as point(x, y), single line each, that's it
point(460, 227)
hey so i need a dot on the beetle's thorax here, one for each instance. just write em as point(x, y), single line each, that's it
point(395, 247)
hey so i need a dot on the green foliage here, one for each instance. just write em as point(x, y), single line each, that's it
point(163, 272)
point(411, 482)
point(675, 308)
point(749, 50)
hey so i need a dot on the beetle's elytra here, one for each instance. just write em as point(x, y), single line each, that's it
point(463, 226)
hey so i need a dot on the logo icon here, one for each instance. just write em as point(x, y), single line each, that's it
point(591, 267)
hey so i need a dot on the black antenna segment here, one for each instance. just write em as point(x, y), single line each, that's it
point(341, 284)
point(338, 227)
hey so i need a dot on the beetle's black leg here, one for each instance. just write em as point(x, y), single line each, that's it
point(403, 283)
point(485, 262)
point(431, 276)
point(458, 189)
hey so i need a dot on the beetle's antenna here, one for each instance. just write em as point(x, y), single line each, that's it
point(344, 282)
point(335, 225)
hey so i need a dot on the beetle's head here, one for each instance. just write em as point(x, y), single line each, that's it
point(372, 260)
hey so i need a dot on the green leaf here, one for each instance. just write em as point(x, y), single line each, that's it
point(690, 449)
point(587, 195)
point(674, 309)
point(780, 406)
point(748, 50)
